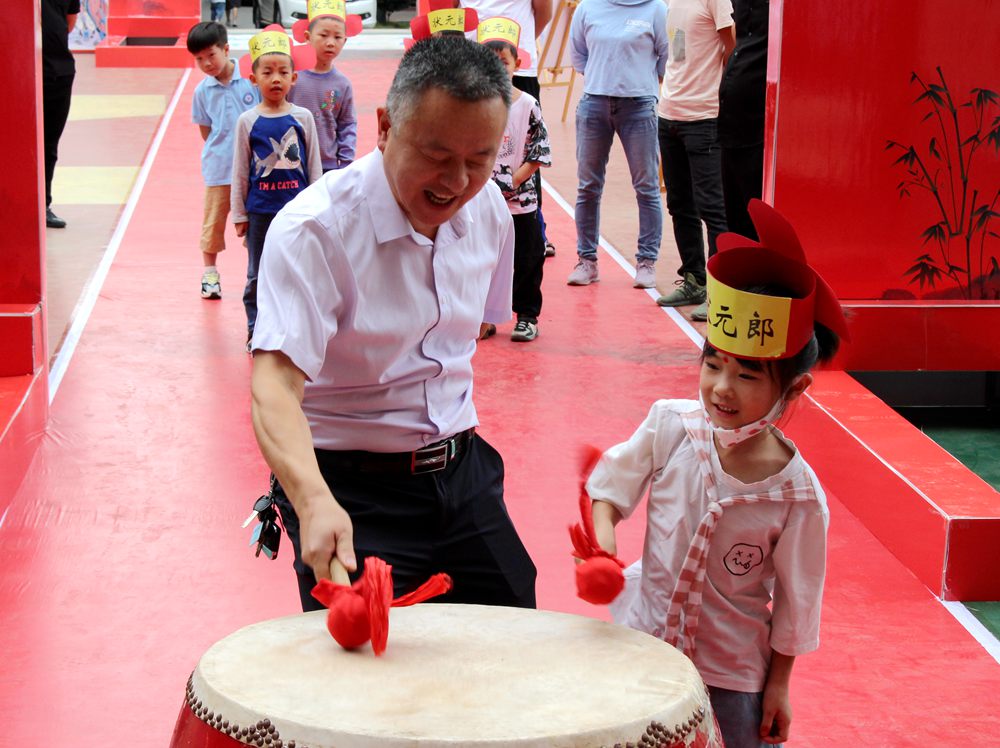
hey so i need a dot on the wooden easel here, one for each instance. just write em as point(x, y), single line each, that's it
point(554, 71)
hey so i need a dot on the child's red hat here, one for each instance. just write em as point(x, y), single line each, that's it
point(761, 326)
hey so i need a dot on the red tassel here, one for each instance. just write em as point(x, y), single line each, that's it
point(361, 612)
point(436, 585)
point(325, 591)
point(599, 578)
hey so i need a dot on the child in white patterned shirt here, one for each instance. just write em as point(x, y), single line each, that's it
point(735, 550)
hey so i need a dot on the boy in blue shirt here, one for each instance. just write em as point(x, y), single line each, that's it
point(218, 101)
point(276, 154)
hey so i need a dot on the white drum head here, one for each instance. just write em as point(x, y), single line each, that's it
point(453, 675)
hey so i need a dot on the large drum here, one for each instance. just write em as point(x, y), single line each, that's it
point(453, 675)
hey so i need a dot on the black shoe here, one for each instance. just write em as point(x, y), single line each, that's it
point(53, 221)
point(525, 331)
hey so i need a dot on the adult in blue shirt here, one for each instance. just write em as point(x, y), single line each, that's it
point(620, 48)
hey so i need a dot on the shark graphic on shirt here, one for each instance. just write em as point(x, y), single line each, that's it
point(286, 154)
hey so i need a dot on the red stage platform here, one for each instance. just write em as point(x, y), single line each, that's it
point(144, 34)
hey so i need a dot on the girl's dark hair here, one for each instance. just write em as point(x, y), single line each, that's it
point(206, 34)
point(820, 349)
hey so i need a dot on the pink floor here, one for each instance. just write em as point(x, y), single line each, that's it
point(125, 559)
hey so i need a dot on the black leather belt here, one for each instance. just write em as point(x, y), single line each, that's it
point(429, 459)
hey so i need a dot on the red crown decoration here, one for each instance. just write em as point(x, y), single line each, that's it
point(777, 259)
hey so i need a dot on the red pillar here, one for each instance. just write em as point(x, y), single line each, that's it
point(22, 274)
point(23, 349)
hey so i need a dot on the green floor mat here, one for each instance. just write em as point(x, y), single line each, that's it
point(988, 614)
point(971, 436)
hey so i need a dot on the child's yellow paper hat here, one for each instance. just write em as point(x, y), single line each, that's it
point(269, 41)
point(759, 326)
point(274, 38)
point(442, 17)
point(334, 9)
point(502, 29)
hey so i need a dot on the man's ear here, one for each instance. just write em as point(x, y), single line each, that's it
point(383, 127)
point(800, 385)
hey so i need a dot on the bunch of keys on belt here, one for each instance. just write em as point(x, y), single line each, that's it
point(267, 534)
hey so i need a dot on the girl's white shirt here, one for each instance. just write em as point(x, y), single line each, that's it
point(767, 561)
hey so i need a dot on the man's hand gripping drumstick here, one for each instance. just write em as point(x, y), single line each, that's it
point(325, 529)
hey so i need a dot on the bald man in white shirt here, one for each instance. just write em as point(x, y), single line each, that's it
point(372, 290)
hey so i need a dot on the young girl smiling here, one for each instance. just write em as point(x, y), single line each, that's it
point(735, 548)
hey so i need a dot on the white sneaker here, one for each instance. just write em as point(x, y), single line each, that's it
point(211, 287)
point(584, 273)
point(645, 274)
point(524, 331)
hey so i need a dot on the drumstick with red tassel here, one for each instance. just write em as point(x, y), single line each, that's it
point(599, 578)
point(359, 612)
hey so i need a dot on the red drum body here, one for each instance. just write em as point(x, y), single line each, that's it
point(453, 675)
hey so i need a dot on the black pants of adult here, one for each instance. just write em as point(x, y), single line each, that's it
point(742, 180)
point(529, 261)
point(453, 521)
point(529, 84)
point(692, 173)
point(56, 95)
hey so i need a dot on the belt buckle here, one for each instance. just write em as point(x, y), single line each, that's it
point(433, 458)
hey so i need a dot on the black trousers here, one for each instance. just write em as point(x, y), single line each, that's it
point(691, 171)
point(453, 521)
point(742, 179)
point(56, 95)
point(529, 261)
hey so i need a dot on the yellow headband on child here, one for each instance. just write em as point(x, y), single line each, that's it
point(499, 29)
point(336, 8)
point(452, 19)
point(750, 325)
point(270, 41)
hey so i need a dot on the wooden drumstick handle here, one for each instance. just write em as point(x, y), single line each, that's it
point(338, 573)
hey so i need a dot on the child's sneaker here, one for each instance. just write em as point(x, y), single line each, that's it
point(524, 331)
point(211, 288)
point(550, 249)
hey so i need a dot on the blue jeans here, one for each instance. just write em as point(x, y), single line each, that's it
point(633, 119)
point(692, 172)
point(256, 231)
point(218, 11)
point(739, 714)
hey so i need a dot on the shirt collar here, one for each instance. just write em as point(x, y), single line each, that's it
point(388, 218)
point(213, 81)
